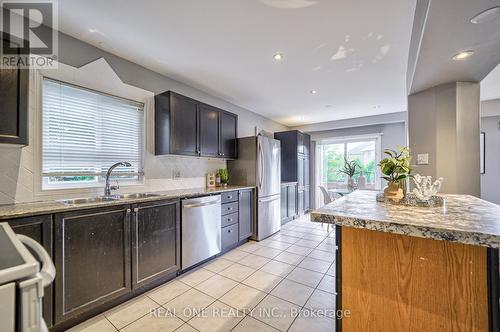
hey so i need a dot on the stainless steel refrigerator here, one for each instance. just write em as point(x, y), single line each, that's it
point(259, 165)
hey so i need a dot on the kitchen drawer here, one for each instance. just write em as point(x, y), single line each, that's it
point(229, 236)
point(229, 219)
point(230, 196)
point(229, 208)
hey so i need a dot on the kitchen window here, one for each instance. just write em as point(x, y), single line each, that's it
point(84, 132)
point(332, 155)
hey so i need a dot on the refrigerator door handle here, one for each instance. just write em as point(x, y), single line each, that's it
point(261, 165)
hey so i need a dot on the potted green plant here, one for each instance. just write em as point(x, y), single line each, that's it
point(350, 169)
point(396, 169)
point(224, 176)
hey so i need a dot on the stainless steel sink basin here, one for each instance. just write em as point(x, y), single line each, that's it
point(133, 196)
point(96, 199)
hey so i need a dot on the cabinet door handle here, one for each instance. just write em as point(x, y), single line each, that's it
point(229, 230)
point(128, 211)
point(229, 219)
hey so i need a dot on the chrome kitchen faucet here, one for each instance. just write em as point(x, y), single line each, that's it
point(107, 187)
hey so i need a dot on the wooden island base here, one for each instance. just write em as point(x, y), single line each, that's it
point(392, 282)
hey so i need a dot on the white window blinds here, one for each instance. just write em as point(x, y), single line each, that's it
point(85, 132)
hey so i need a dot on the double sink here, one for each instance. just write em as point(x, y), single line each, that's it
point(100, 199)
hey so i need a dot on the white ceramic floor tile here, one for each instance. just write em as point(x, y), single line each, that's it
point(322, 303)
point(323, 255)
point(327, 284)
point(189, 304)
point(287, 239)
point(307, 243)
point(277, 268)
point(167, 292)
point(262, 281)
point(216, 286)
point(305, 277)
point(237, 272)
point(254, 261)
point(276, 244)
point(218, 265)
point(295, 249)
point(235, 255)
point(243, 298)
point(186, 328)
point(315, 264)
point(307, 322)
point(293, 292)
point(249, 247)
point(195, 277)
point(267, 252)
point(276, 312)
point(130, 311)
point(289, 258)
point(150, 323)
point(249, 324)
point(218, 317)
point(96, 324)
point(331, 270)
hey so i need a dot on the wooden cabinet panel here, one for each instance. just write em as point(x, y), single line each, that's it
point(300, 143)
point(92, 258)
point(229, 208)
point(39, 228)
point(284, 204)
point(230, 196)
point(307, 198)
point(155, 241)
point(300, 171)
point(246, 214)
point(229, 237)
point(209, 125)
point(300, 201)
point(13, 104)
point(184, 126)
point(229, 219)
point(307, 144)
point(392, 282)
point(292, 201)
point(229, 135)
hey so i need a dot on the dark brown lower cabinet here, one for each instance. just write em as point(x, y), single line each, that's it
point(92, 258)
point(155, 241)
point(39, 228)
point(245, 214)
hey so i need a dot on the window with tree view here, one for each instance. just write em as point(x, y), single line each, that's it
point(332, 157)
point(84, 132)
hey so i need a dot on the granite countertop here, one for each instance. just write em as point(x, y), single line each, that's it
point(463, 218)
point(10, 211)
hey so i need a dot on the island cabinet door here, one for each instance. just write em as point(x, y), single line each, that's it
point(155, 241)
point(92, 258)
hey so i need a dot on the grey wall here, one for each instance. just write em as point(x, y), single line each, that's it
point(490, 181)
point(393, 134)
point(444, 122)
point(76, 53)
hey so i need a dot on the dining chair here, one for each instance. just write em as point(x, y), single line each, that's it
point(326, 195)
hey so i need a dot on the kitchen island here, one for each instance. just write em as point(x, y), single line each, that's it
point(402, 268)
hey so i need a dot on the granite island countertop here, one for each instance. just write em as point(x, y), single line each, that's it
point(10, 211)
point(463, 218)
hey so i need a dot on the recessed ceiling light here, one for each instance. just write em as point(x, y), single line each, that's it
point(487, 15)
point(313, 92)
point(328, 106)
point(278, 57)
point(463, 55)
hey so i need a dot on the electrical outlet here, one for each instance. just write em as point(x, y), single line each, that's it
point(176, 174)
point(423, 159)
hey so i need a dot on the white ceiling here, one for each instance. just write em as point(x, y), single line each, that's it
point(353, 52)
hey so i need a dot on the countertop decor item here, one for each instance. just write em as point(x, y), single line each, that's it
point(211, 180)
point(396, 168)
point(224, 176)
point(425, 189)
point(350, 169)
point(411, 200)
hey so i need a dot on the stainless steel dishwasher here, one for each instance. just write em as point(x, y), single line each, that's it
point(201, 229)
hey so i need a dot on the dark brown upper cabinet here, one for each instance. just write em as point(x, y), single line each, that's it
point(184, 126)
point(209, 130)
point(229, 135)
point(13, 103)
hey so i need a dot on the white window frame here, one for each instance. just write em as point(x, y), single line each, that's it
point(108, 83)
point(353, 139)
